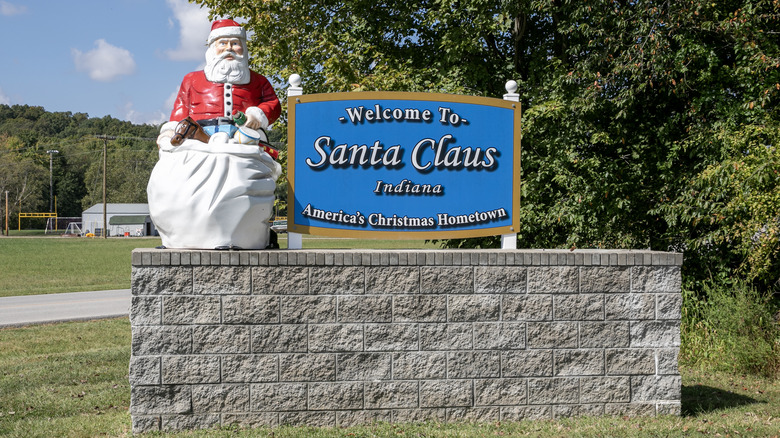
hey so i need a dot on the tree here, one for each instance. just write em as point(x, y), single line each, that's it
point(624, 101)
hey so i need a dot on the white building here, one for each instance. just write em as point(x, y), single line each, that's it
point(123, 220)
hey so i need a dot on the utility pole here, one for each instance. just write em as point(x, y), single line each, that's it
point(51, 153)
point(105, 138)
point(6, 213)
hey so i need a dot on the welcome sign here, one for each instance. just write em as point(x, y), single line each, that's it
point(403, 165)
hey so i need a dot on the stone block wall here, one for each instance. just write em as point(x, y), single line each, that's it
point(337, 338)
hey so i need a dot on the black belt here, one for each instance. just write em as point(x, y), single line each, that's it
point(217, 121)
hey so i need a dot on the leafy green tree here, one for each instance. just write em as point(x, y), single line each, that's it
point(625, 102)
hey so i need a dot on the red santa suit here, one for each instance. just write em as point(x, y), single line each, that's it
point(202, 99)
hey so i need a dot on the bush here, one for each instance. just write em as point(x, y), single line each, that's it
point(730, 326)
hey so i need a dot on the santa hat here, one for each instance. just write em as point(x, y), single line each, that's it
point(226, 28)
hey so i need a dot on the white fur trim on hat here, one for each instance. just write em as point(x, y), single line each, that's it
point(227, 31)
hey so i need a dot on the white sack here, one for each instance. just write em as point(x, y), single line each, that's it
point(203, 196)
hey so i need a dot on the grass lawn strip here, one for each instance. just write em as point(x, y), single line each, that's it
point(45, 265)
point(71, 380)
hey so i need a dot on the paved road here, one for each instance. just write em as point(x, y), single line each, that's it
point(37, 309)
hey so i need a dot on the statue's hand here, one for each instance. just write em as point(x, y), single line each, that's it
point(253, 123)
point(255, 118)
point(164, 136)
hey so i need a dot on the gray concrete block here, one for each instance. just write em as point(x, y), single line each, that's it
point(363, 366)
point(391, 395)
point(212, 339)
point(249, 368)
point(655, 334)
point(170, 423)
point(363, 418)
point(661, 279)
point(579, 362)
point(473, 364)
point(307, 367)
point(630, 361)
point(555, 390)
point(286, 338)
point(472, 308)
point(655, 388)
point(669, 408)
point(190, 369)
point(308, 418)
point(300, 309)
point(333, 396)
point(519, 413)
point(499, 335)
point(338, 280)
point(629, 306)
point(446, 279)
point(223, 280)
point(668, 306)
point(194, 309)
point(419, 365)
point(145, 423)
point(153, 340)
point(419, 415)
point(250, 419)
point(500, 392)
point(588, 307)
point(145, 310)
point(161, 399)
point(605, 390)
point(145, 370)
point(552, 335)
point(527, 363)
point(258, 309)
point(601, 279)
point(419, 308)
point(161, 280)
point(392, 337)
point(668, 361)
point(630, 409)
point(500, 279)
point(610, 334)
point(393, 280)
point(287, 280)
point(446, 393)
point(446, 337)
point(553, 279)
point(278, 397)
point(365, 308)
point(526, 308)
point(220, 398)
point(473, 414)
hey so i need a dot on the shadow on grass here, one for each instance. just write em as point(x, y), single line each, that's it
point(701, 399)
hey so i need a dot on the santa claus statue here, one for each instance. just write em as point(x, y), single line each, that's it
point(213, 186)
point(224, 92)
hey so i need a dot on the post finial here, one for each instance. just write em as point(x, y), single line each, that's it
point(295, 80)
point(511, 87)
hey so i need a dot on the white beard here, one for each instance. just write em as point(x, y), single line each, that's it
point(221, 70)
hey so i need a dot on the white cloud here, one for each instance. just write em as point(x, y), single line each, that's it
point(194, 27)
point(7, 9)
point(4, 100)
point(139, 117)
point(105, 62)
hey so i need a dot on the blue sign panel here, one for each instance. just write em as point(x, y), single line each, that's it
point(403, 165)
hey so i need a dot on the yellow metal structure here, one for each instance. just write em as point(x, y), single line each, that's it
point(34, 215)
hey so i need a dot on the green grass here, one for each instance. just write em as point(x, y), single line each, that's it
point(44, 265)
point(70, 380)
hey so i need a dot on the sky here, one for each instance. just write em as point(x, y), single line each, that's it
point(121, 58)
